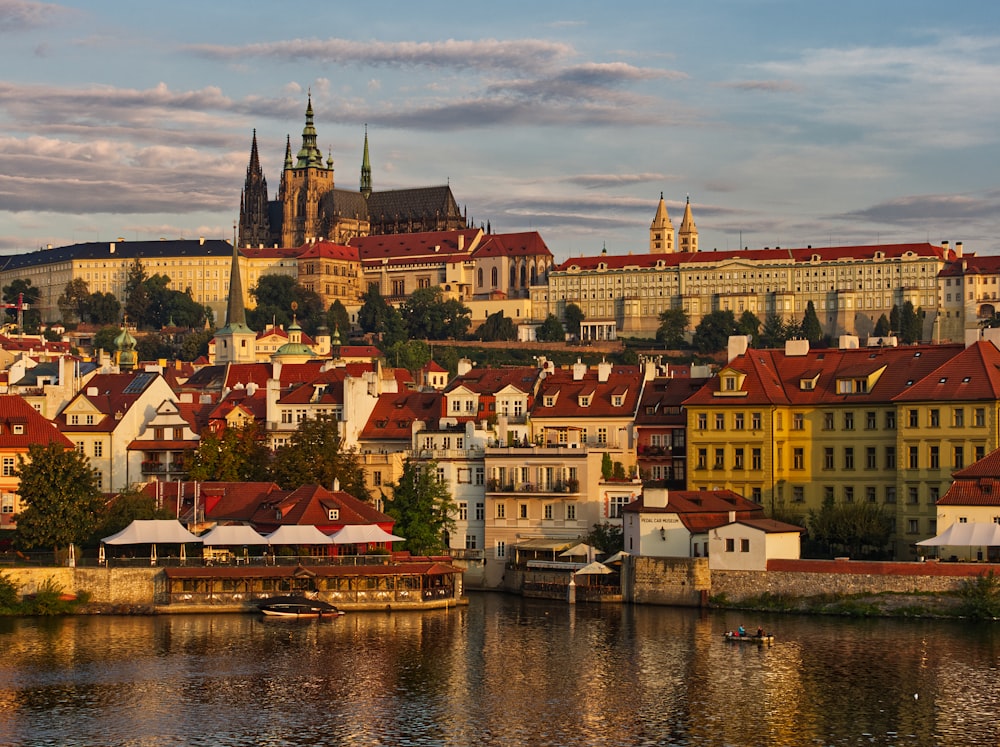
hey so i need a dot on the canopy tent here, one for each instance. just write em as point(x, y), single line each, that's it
point(152, 532)
point(593, 569)
point(298, 534)
point(226, 536)
point(618, 557)
point(578, 550)
point(971, 534)
point(363, 534)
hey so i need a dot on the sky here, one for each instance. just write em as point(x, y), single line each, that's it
point(785, 123)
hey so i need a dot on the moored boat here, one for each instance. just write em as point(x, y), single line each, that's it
point(297, 607)
point(767, 638)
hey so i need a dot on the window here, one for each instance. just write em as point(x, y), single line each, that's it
point(333, 514)
point(798, 458)
point(870, 494)
point(602, 435)
point(913, 460)
point(522, 510)
point(74, 420)
point(440, 475)
point(798, 421)
point(8, 466)
point(848, 421)
point(958, 417)
point(80, 446)
point(935, 418)
point(756, 460)
point(890, 494)
point(755, 421)
point(98, 449)
point(501, 549)
point(911, 526)
point(720, 458)
point(849, 494)
point(501, 511)
point(463, 511)
point(871, 460)
point(480, 476)
point(890, 457)
point(935, 458)
point(914, 418)
point(958, 459)
point(738, 421)
point(720, 421)
point(828, 457)
point(827, 421)
point(979, 417)
point(702, 461)
point(798, 494)
point(890, 420)
point(377, 478)
point(744, 545)
point(779, 421)
point(848, 457)
point(470, 542)
point(730, 544)
point(547, 512)
point(933, 493)
point(912, 494)
point(980, 452)
point(756, 495)
point(570, 512)
point(702, 421)
point(738, 458)
point(870, 418)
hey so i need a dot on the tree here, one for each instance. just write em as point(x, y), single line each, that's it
point(911, 323)
point(882, 327)
point(136, 292)
point(773, 333)
point(856, 528)
point(422, 507)
point(338, 320)
point(608, 538)
point(195, 344)
point(550, 330)
point(124, 508)
point(103, 308)
point(378, 317)
point(105, 339)
point(497, 327)
point(75, 300)
point(153, 347)
point(572, 317)
point(315, 455)
point(275, 296)
point(429, 316)
point(673, 325)
point(29, 296)
point(749, 325)
point(812, 330)
point(894, 320)
point(238, 454)
point(714, 330)
point(62, 497)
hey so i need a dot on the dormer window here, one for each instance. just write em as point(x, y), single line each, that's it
point(617, 400)
point(333, 514)
point(549, 400)
point(584, 400)
point(17, 429)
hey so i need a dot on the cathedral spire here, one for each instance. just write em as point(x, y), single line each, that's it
point(688, 233)
point(288, 152)
point(366, 170)
point(309, 153)
point(236, 313)
point(661, 230)
point(254, 227)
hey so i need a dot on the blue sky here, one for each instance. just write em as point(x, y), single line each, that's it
point(787, 123)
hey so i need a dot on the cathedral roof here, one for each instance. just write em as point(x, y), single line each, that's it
point(526, 243)
point(344, 203)
point(417, 202)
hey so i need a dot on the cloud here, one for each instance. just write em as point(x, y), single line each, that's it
point(601, 181)
point(767, 86)
point(20, 15)
point(930, 209)
point(483, 54)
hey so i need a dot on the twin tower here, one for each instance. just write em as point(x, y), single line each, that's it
point(661, 231)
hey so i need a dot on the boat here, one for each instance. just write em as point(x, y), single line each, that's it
point(297, 607)
point(766, 638)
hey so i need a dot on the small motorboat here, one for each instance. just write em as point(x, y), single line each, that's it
point(297, 607)
point(735, 637)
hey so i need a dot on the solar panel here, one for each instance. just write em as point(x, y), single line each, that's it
point(140, 382)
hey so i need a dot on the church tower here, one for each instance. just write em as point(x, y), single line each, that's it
point(236, 342)
point(661, 231)
point(688, 235)
point(255, 229)
point(366, 170)
point(303, 185)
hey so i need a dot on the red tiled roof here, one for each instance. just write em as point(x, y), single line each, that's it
point(109, 394)
point(394, 414)
point(662, 395)
point(524, 244)
point(311, 504)
point(406, 248)
point(701, 510)
point(14, 411)
point(359, 351)
point(569, 391)
point(330, 250)
point(493, 380)
point(970, 264)
point(972, 374)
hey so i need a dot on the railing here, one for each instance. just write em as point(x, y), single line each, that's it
point(466, 554)
point(568, 486)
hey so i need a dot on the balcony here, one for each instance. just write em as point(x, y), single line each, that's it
point(569, 485)
point(153, 468)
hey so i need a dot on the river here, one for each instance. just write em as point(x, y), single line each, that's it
point(501, 671)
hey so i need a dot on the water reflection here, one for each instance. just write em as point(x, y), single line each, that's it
point(502, 671)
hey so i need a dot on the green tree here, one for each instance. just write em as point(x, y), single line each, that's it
point(895, 324)
point(315, 455)
point(153, 346)
point(911, 323)
point(124, 508)
point(275, 296)
point(497, 327)
point(607, 466)
point(378, 317)
point(411, 355)
point(136, 292)
point(859, 529)
point(608, 538)
point(550, 330)
point(337, 319)
point(429, 316)
point(195, 344)
point(573, 316)
point(61, 494)
point(714, 330)
point(103, 308)
point(74, 302)
point(673, 325)
point(812, 330)
point(882, 327)
point(104, 339)
point(773, 333)
point(749, 324)
point(238, 454)
point(29, 296)
point(422, 507)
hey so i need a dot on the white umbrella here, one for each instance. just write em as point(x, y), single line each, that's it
point(578, 549)
point(593, 569)
point(618, 557)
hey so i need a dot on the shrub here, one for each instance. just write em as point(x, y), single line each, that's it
point(980, 597)
point(9, 597)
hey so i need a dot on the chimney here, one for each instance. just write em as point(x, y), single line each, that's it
point(958, 249)
point(655, 497)
point(945, 245)
point(461, 242)
point(111, 248)
point(603, 371)
point(336, 485)
point(201, 241)
point(579, 370)
point(737, 346)
point(732, 517)
point(796, 348)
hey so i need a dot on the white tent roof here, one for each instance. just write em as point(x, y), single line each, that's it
point(972, 534)
point(152, 531)
point(223, 536)
point(298, 534)
point(577, 550)
point(360, 534)
point(616, 558)
point(593, 569)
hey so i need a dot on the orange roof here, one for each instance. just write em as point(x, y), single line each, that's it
point(524, 244)
point(394, 414)
point(21, 425)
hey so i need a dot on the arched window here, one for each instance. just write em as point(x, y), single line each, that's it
point(496, 277)
point(479, 277)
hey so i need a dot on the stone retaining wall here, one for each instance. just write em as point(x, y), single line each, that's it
point(117, 586)
point(680, 582)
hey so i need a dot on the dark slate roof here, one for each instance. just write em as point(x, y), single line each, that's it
point(125, 250)
point(412, 203)
point(344, 203)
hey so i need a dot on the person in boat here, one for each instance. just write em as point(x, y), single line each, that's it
point(741, 631)
point(760, 632)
